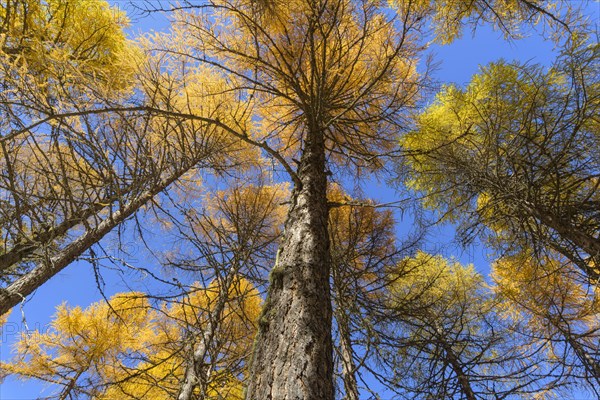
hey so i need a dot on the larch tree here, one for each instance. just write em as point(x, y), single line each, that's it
point(328, 94)
point(129, 348)
point(558, 313)
point(452, 339)
point(48, 60)
point(320, 92)
point(513, 156)
point(321, 88)
point(79, 157)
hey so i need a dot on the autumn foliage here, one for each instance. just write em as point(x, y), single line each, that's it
point(236, 150)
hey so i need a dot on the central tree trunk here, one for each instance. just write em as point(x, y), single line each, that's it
point(293, 350)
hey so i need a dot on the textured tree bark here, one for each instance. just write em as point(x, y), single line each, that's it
point(348, 365)
point(197, 371)
point(292, 357)
point(198, 368)
point(342, 318)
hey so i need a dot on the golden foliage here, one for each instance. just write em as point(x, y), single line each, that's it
point(66, 40)
point(361, 236)
point(252, 212)
point(450, 338)
point(548, 293)
point(128, 349)
point(498, 154)
point(444, 288)
point(347, 68)
point(451, 17)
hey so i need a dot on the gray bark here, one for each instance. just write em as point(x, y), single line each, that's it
point(197, 370)
point(348, 365)
point(292, 357)
point(25, 285)
point(342, 318)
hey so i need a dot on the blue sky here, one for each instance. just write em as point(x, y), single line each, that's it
point(76, 284)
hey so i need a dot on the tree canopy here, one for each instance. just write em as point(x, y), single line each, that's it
point(514, 153)
point(126, 348)
point(237, 148)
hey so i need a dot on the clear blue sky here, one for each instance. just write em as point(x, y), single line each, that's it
point(76, 284)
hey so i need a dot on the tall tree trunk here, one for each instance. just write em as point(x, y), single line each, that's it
point(342, 318)
point(348, 365)
point(198, 368)
point(292, 357)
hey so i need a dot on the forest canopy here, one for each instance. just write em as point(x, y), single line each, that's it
point(218, 182)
